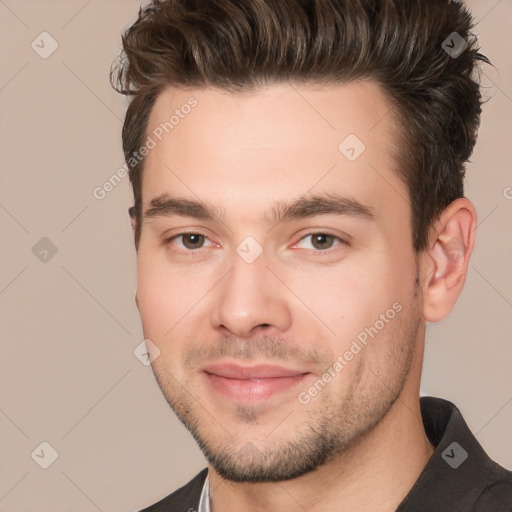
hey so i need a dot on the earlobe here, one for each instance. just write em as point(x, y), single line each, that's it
point(452, 241)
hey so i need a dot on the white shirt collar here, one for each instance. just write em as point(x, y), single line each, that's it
point(204, 501)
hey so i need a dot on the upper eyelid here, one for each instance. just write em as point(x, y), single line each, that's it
point(182, 233)
point(341, 239)
point(168, 240)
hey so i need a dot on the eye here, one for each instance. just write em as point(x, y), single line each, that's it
point(189, 241)
point(319, 241)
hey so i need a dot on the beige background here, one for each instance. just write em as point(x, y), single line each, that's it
point(69, 325)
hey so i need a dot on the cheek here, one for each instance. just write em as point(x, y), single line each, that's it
point(170, 298)
point(163, 313)
point(346, 299)
point(160, 295)
point(343, 301)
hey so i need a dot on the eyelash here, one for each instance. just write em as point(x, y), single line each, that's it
point(341, 242)
point(169, 240)
point(318, 252)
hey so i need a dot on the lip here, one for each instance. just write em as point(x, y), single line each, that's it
point(260, 371)
point(252, 383)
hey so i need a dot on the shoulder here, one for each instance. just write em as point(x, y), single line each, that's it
point(185, 499)
point(460, 475)
point(497, 497)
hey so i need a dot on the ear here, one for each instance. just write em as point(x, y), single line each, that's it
point(133, 217)
point(446, 262)
point(133, 222)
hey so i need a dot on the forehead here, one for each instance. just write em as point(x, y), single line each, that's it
point(262, 146)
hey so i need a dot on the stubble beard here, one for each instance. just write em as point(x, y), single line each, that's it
point(331, 425)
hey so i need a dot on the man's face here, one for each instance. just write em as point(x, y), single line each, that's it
point(300, 258)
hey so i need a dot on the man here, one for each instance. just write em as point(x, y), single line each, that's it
point(299, 216)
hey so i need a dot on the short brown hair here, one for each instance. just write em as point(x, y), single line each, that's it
point(243, 44)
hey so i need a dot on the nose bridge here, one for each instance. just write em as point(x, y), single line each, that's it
point(250, 296)
point(246, 275)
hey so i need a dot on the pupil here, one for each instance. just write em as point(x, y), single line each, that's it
point(322, 241)
point(192, 241)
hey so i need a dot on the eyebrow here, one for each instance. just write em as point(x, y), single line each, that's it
point(166, 206)
point(324, 204)
point(304, 207)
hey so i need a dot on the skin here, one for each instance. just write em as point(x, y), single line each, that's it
point(298, 304)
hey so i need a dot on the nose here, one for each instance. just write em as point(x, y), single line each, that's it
point(250, 300)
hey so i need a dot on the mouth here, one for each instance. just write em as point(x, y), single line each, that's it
point(252, 383)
